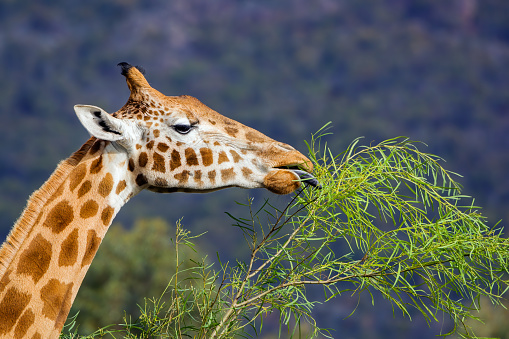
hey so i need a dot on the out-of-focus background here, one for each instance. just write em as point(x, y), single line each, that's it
point(435, 71)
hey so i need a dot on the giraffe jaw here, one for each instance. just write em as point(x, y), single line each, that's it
point(185, 189)
point(277, 182)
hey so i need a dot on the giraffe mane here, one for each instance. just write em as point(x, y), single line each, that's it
point(35, 204)
point(126, 66)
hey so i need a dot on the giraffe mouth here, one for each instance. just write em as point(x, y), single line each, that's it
point(306, 177)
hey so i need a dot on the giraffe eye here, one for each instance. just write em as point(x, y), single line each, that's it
point(182, 129)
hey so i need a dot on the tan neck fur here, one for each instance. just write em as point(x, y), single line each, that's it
point(47, 254)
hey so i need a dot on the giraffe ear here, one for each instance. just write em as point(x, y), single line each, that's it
point(99, 123)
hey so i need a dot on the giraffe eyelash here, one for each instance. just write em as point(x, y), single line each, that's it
point(183, 129)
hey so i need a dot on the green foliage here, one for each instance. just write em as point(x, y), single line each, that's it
point(404, 231)
point(492, 320)
point(130, 265)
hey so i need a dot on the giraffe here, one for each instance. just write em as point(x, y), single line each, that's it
point(161, 143)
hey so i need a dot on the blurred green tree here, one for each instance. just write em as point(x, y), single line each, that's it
point(493, 322)
point(130, 265)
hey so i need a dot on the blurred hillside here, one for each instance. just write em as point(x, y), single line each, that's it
point(435, 71)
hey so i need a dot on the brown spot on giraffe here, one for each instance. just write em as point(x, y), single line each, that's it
point(232, 131)
point(227, 174)
point(77, 176)
point(212, 122)
point(156, 133)
point(11, 307)
point(37, 336)
point(162, 147)
point(175, 160)
point(206, 156)
point(130, 165)
point(159, 163)
point(216, 143)
point(107, 214)
point(93, 242)
point(85, 187)
point(150, 144)
point(191, 158)
point(95, 147)
point(69, 249)
point(24, 323)
point(143, 159)
point(197, 177)
point(56, 298)
point(59, 216)
point(35, 260)
point(120, 187)
point(5, 280)
point(246, 172)
point(161, 182)
point(141, 180)
point(97, 165)
point(222, 157)
point(212, 176)
point(106, 185)
point(89, 209)
point(182, 177)
point(236, 156)
point(255, 136)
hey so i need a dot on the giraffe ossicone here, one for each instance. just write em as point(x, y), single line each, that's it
point(157, 142)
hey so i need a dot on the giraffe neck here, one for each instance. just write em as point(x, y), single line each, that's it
point(48, 252)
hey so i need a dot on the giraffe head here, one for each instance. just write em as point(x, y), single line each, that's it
point(177, 144)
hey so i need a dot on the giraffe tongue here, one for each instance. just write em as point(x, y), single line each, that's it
point(307, 178)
